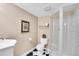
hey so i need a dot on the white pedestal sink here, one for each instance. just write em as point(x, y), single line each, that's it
point(7, 47)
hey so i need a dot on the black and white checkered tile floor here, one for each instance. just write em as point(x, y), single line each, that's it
point(43, 53)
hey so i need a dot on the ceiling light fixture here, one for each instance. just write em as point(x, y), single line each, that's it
point(48, 8)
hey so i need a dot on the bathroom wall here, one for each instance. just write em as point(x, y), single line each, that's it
point(44, 30)
point(10, 27)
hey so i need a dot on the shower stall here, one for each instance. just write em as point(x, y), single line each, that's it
point(65, 34)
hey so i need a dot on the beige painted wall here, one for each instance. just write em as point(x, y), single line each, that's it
point(10, 27)
point(44, 30)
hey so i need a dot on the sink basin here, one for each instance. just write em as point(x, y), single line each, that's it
point(7, 43)
point(7, 47)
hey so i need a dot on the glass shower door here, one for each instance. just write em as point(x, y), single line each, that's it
point(55, 34)
point(69, 35)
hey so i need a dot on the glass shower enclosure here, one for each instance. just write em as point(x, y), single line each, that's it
point(65, 34)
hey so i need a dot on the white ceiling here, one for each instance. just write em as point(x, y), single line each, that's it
point(41, 9)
